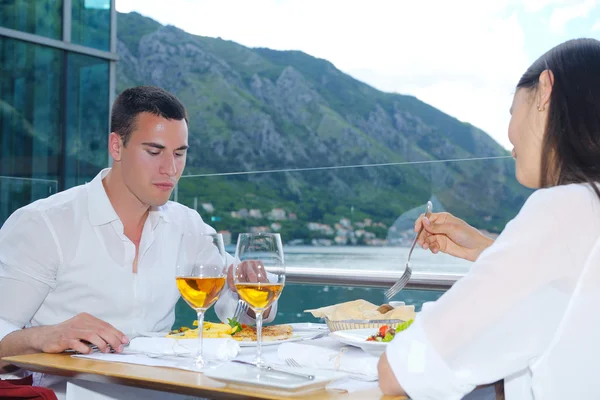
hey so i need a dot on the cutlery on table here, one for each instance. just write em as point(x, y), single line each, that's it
point(270, 368)
point(361, 377)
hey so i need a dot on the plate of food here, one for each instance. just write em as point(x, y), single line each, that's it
point(373, 341)
point(245, 334)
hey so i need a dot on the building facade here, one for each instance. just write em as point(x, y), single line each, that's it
point(57, 80)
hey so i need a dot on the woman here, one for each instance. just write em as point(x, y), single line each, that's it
point(522, 305)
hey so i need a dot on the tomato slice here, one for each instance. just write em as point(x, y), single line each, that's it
point(383, 330)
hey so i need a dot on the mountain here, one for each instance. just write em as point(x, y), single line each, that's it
point(256, 109)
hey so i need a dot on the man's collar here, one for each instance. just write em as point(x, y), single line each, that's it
point(159, 212)
point(101, 210)
point(99, 207)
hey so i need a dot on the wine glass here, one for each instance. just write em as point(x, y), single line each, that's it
point(259, 275)
point(201, 276)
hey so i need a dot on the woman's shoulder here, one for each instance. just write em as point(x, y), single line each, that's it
point(574, 204)
point(565, 197)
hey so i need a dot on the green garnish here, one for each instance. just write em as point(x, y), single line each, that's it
point(403, 326)
point(234, 324)
point(388, 337)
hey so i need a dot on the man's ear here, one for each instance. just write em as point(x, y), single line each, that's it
point(115, 146)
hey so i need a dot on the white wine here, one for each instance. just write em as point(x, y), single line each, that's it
point(259, 295)
point(200, 293)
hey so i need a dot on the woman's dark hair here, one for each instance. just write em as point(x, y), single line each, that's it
point(141, 99)
point(571, 145)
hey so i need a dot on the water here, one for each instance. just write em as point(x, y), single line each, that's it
point(298, 297)
point(375, 258)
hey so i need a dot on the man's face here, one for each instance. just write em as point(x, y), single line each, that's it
point(154, 158)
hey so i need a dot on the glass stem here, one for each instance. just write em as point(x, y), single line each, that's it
point(259, 317)
point(199, 359)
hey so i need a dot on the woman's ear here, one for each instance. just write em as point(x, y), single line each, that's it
point(544, 89)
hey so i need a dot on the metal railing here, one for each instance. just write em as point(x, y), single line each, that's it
point(369, 278)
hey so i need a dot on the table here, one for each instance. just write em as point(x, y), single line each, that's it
point(161, 378)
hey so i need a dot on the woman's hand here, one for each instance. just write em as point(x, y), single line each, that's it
point(448, 234)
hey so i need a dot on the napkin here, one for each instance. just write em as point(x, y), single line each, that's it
point(166, 352)
point(346, 359)
point(221, 349)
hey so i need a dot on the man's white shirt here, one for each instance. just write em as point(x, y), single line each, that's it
point(67, 254)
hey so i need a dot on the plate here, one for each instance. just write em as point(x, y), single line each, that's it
point(151, 334)
point(358, 338)
point(291, 385)
point(308, 326)
point(296, 336)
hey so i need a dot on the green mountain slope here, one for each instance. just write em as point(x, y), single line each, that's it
point(260, 109)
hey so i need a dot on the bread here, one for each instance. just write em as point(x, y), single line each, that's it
point(363, 310)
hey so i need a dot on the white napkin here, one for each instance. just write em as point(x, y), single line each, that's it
point(221, 349)
point(347, 359)
point(168, 352)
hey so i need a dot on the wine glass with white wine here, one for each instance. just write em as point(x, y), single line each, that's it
point(201, 276)
point(259, 275)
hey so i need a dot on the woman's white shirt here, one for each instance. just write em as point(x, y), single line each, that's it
point(500, 320)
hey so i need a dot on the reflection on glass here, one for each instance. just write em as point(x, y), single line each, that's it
point(41, 140)
point(86, 118)
point(30, 134)
point(17, 192)
point(40, 17)
point(90, 23)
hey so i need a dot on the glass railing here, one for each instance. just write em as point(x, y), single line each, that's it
point(347, 230)
point(17, 192)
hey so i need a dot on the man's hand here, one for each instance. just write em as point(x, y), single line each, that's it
point(448, 234)
point(69, 335)
point(251, 271)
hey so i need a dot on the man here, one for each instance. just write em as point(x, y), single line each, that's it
point(96, 262)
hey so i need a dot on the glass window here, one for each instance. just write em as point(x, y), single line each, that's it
point(90, 23)
point(40, 17)
point(29, 122)
point(86, 118)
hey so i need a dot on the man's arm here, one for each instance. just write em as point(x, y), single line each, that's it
point(225, 307)
point(29, 260)
point(60, 337)
point(227, 303)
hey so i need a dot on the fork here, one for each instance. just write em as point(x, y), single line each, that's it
point(240, 309)
point(401, 283)
point(293, 363)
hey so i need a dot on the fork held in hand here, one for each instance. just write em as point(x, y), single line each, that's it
point(401, 283)
point(240, 309)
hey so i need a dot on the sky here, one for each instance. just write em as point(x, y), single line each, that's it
point(463, 57)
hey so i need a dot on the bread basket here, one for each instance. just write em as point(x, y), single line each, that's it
point(360, 323)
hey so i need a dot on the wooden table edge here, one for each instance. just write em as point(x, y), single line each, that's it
point(50, 364)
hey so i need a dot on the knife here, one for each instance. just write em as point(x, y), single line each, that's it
point(270, 368)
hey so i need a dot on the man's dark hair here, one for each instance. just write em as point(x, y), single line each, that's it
point(571, 146)
point(141, 99)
